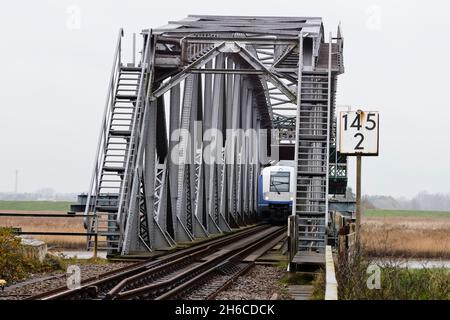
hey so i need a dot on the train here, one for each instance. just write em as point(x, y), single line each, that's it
point(276, 192)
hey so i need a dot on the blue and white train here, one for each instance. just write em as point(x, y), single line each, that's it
point(276, 192)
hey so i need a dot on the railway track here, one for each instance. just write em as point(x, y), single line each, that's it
point(207, 285)
point(199, 272)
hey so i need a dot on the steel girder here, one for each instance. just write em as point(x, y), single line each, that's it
point(196, 174)
point(206, 196)
point(216, 118)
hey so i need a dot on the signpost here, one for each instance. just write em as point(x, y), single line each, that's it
point(359, 136)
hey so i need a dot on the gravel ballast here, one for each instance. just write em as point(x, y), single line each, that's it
point(39, 283)
point(260, 283)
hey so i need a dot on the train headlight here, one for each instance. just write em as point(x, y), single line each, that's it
point(292, 198)
point(266, 198)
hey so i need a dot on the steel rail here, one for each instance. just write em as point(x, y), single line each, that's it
point(250, 264)
point(90, 288)
point(198, 272)
point(236, 258)
point(151, 274)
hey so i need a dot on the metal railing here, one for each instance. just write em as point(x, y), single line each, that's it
point(191, 50)
point(135, 136)
point(104, 131)
point(19, 231)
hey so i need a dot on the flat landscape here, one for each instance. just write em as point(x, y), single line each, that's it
point(405, 213)
point(35, 205)
point(408, 234)
point(397, 233)
point(45, 224)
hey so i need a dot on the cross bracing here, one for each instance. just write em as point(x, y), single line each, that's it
point(165, 158)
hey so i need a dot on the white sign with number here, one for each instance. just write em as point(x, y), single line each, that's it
point(358, 133)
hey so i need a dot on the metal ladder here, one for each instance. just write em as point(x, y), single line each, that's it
point(312, 165)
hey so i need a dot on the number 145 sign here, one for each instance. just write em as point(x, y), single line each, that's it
point(358, 133)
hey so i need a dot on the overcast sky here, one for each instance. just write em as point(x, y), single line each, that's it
point(55, 70)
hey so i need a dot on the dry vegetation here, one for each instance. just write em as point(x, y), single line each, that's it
point(15, 264)
point(412, 237)
point(396, 283)
point(399, 233)
point(50, 225)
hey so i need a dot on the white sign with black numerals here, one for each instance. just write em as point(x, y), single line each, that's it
point(358, 133)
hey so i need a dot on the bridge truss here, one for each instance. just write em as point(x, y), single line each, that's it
point(166, 169)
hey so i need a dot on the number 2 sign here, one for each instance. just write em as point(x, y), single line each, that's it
point(358, 134)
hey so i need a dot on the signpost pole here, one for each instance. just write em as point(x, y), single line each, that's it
point(358, 198)
point(359, 136)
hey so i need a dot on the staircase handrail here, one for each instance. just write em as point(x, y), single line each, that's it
point(128, 167)
point(104, 130)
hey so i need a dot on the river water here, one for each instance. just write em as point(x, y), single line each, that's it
point(414, 263)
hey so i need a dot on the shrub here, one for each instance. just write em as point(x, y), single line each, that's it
point(13, 265)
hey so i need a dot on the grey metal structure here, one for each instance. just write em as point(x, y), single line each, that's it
point(165, 164)
point(315, 109)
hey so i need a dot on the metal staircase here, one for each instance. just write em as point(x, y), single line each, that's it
point(312, 165)
point(116, 154)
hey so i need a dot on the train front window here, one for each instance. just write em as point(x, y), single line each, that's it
point(279, 182)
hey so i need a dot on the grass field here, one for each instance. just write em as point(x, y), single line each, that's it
point(45, 224)
point(405, 213)
point(35, 205)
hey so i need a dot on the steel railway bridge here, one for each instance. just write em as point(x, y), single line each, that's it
point(166, 171)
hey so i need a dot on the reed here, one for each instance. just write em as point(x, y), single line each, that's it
point(411, 237)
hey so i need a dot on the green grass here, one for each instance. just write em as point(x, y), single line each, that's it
point(296, 278)
point(35, 205)
point(405, 213)
point(400, 284)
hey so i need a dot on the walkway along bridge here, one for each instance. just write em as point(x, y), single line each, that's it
point(199, 77)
